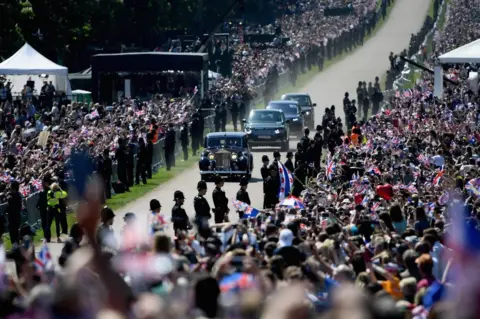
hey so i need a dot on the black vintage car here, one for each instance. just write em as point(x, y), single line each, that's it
point(308, 108)
point(226, 154)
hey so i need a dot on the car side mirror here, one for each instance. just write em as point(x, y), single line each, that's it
point(314, 104)
point(244, 121)
point(304, 112)
point(287, 121)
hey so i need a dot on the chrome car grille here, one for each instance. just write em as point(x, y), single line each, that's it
point(222, 159)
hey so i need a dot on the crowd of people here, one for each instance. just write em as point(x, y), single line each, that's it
point(383, 222)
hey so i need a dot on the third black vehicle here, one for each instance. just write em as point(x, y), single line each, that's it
point(293, 113)
point(306, 105)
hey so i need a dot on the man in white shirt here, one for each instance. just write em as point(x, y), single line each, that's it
point(438, 160)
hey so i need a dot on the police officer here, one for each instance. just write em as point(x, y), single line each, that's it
point(200, 203)
point(195, 133)
point(271, 188)
point(42, 205)
point(184, 140)
point(346, 103)
point(53, 201)
point(276, 158)
point(234, 112)
point(220, 201)
point(179, 216)
point(289, 163)
point(318, 145)
point(305, 140)
point(300, 155)
point(217, 118)
point(301, 174)
point(242, 194)
point(265, 173)
point(170, 147)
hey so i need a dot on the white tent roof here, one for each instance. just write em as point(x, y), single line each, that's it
point(28, 61)
point(469, 53)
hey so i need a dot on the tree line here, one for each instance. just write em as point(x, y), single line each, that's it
point(70, 31)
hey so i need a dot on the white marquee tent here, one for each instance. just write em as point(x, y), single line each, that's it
point(28, 64)
point(468, 53)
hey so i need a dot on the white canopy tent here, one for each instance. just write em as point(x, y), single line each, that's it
point(468, 53)
point(26, 63)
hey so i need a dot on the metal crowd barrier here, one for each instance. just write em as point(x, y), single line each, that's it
point(30, 213)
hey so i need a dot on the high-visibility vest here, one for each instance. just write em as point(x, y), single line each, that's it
point(154, 133)
point(54, 197)
point(355, 138)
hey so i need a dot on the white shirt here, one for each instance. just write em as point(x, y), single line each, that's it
point(438, 160)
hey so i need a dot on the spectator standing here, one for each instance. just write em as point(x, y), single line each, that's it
point(54, 195)
point(14, 209)
point(170, 147)
point(142, 160)
point(121, 157)
point(184, 140)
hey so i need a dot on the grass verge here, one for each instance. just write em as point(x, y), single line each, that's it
point(306, 77)
point(120, 200)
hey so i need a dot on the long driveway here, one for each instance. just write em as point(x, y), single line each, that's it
point(326, 88)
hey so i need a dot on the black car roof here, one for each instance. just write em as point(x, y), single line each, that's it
point(282, 102)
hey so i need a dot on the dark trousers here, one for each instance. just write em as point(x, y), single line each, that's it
point(14, 230)
point(52, 213)
point(130, 174)
point(169, 157)
point(141, 171)
point(240, 215)
point(108, 187)
point(195, 144)
point(149, 170)
point(62, 220)
point(122, 177)
point(235, 120)
point(185, 153)
point(219, 217)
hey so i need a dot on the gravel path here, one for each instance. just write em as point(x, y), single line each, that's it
point(326, 88)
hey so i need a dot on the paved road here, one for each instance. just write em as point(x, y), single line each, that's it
point(326, 88)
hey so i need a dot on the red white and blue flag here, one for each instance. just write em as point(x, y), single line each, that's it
point(330, 169)
point(286, 181)
point(438, 177)
point(249, 211)
point(43, 261)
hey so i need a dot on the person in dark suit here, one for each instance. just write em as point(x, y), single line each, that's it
point(142, 160)
point(170, 147)
point(42, 204)
point(289, 163)
point(130, 164)
point(265, 173)
point(220, 201)
point(149, 154)
point(14, 210)
point(272, 186)
point(184, 140)
point(242, 194)
point(121, 157)
point(106, 172)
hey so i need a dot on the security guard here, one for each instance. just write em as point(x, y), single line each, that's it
point(265, 173)
point(53, 201)
point(200, 203)
point(271, 188)
point(220, 201)
point(305, 140)
point(242, 194)
point(288, 163)
point(179, 216)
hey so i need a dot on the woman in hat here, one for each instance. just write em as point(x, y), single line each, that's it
point(156, 220)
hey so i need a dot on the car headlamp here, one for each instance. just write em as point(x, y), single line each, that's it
point(277, 131)
point(308, 113)
point(211, 156)
point(248, 131)
point(234, 156)
point(295, 119)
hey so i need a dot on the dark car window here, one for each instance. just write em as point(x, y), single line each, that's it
point(215, 141)
point(265, 117)
point(290, 109)
point(303, 100)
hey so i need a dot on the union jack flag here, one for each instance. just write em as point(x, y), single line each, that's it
point(24, 190)
point(286, 181)
point(375, 170)
point(375, 206)
point(37, 184)
point(423, 159)
point(43, 261)
point(329, 169)
point(437, 179)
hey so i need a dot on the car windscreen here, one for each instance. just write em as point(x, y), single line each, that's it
point(303, 100)
point(290, 109)
point(265, 117)
point(219, 141)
